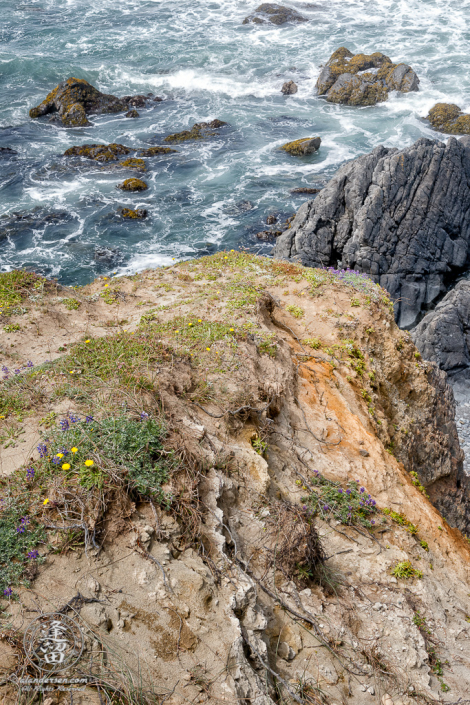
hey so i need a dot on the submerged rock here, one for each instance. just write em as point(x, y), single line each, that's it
point(107, 255)
point(133, 185)
point(303, 189)
point(98, 152)
point(137, 214)
point(199, 131)
point(7, 152)
point(363, 79)
point(448, 118)
point(132, 114)
point(154, 151)
point(270, 13)
point(402, 217)
point(74, 99)
point(302, 147)
point(289, 88)
point(268, 235)
point(134, 164)
point(36, 219)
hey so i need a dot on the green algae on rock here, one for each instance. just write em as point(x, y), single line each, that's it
point(98, 152)
point(134, 164)
point(449, 118)
point(302, 147)
point(133, 185)
point(75, 98)
point(154, 151)
point(137, 214)
point(363, 79)
point(199, 131)
point(270, 13)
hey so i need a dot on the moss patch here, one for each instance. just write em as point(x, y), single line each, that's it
point(448, 118)
point(199, 131)
point(133, 185)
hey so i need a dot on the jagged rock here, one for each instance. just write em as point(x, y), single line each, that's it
point(302, 147)
point(98, 152)
point(133, 185)
point(268, 235)
point(153, 151)
point(137, 214)
point(289, 88)
point(443, 335)
point(303, 189)
point(402, 217)
point(269, 13)
point(75, 98)
point(448, 118)
point(132, 114)
point(363, 79)
point(271, 219)
point(199, 131)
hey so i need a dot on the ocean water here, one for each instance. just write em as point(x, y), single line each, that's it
point(199, 57)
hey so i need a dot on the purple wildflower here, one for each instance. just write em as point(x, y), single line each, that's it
point(17, 372)
point(29, 364)
point(33, 554)
point(64, 424)
point(20, 529)
point(326, 508)
point(73, 418)
point(144, 416)
point(372, 522)
point(88, 419)
point(5, 369)
point(362, 489)
point(42, 450)
point(348, 492)
point(56, 460)
point(30, 473)
point(340, 491)
point(374, 502)
point(25, 520)
point(7, 592)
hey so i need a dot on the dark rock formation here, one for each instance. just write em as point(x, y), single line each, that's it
point(107, 255)
point(74, 99)
point(138, 164)
point(271, 219)
point(133, 185)
point(443, 335)
point(402, 217)
point(303, 189)
point(448, 118)
point(39, 218)
point(7, 152)
point(289, 88)
point(274, 14)
point(199, 131)
point(302, 147)
point(363, 79)
point(154, 151)
point(98, 152)
point(137, 214)
point(132, 114)
point(268, 235)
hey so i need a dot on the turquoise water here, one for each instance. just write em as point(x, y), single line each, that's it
point(205, 64)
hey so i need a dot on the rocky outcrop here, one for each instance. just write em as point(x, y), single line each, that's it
point(155, 151)
point(400, 216)
point(302, 147)
point(98, 152)
point(363, 79)
point(7, 152)
point(133, 185)
point(72, 100)
point(199, 131)
point(270, 13)
point(132, 114)
point(138, 164)
point(289, 88)
point(443, 335)
point(137, 214)
point(448, 118)
point(304, 189)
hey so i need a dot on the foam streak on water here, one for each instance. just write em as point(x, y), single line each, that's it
point(206, 65)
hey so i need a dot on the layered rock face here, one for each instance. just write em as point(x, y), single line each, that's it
point(75, 98)
point(402, 217)
point(363, 79)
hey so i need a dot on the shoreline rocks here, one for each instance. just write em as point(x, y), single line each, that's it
point(270, 13)
point(448, 118)
point(137, 214)
point(402, 217)
point(72, 100)
point(363, 79)
point(133, 185)
point(199, 131)
point(98, 152)
point(302, 147)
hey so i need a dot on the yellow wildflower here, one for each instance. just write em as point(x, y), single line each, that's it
point(89, 463)
point(46, 501)
point(66, 466)
point(232, 329)
point(208, 349)
point(106, 285)
point(59, 455)
point(74, 450)
point(87, 341)
point(199, 320)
